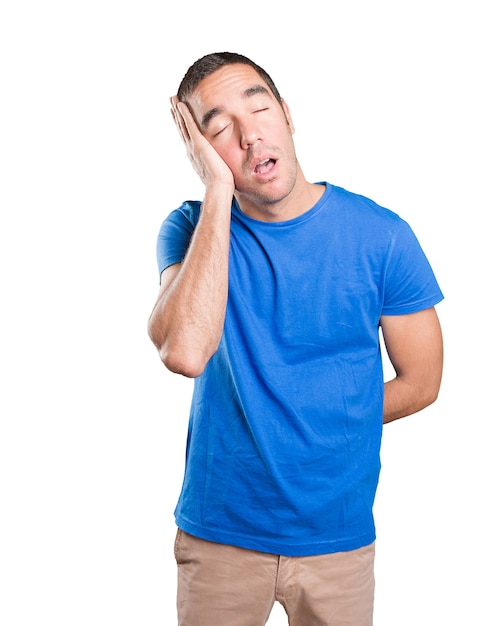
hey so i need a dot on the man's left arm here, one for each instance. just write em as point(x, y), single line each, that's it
point(415, 348)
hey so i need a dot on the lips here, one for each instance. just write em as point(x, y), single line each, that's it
point(263, 166)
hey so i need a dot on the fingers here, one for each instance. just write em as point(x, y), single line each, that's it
point(205, 160)
point(186, 124)
point(178, 118)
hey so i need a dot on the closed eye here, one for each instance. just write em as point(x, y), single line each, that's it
point(221, 130)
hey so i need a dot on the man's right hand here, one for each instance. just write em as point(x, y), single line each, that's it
point(210, 167)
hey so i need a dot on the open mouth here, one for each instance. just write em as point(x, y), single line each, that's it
point(264, 166)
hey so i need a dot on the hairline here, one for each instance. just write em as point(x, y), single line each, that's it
point(211, 63)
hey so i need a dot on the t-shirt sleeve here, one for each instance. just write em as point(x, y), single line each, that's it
point(410, 283)
point(175, 234)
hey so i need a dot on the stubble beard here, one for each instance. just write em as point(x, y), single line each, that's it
point(264, 198)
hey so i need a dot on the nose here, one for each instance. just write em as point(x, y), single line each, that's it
point(250, 134)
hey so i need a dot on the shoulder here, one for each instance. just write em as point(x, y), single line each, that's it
point(187, 213)
point(363, 218)
point(361, 205)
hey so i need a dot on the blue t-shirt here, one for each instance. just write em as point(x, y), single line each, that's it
point(283, 449)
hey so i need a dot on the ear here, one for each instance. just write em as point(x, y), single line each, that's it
point(288, 116)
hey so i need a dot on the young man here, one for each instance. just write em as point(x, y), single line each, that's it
point(273, 290)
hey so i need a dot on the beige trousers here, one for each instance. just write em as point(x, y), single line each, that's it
point(221, 585)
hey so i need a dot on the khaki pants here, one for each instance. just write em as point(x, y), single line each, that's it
point(221, 585)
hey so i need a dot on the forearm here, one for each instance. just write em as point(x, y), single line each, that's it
point(187, 321)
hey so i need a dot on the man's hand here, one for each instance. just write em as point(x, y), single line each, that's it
point(205, 160)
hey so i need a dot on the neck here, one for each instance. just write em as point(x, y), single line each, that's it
point(302, 198)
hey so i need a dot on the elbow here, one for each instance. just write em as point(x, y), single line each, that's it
point(187, 365)
point(432, 389)
point(176, 358)
point(427, 396)
point(430, 396)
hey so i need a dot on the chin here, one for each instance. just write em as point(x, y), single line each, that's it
point(269, 193)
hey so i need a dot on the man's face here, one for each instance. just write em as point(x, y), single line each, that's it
point(241, 118)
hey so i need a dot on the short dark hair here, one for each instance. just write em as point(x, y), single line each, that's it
point(209, 63)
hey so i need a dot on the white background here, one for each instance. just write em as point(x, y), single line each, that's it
point(387, 99)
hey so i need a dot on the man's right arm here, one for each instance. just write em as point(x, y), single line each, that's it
point(186, 323)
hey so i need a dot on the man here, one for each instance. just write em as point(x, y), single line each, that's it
point(273, 290)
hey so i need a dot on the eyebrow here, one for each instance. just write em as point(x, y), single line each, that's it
point(248, 93)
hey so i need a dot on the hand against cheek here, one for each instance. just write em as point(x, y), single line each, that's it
point(205, 160)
